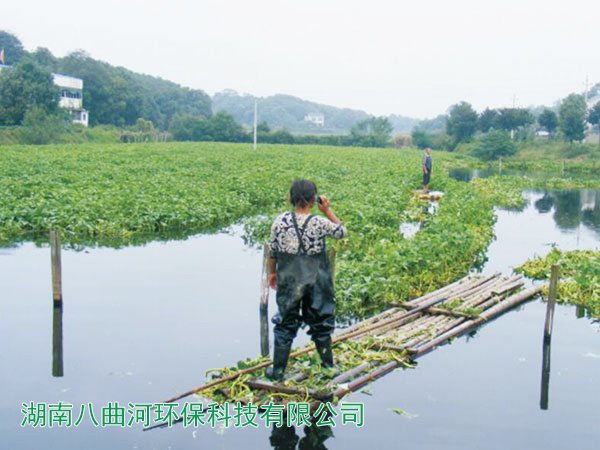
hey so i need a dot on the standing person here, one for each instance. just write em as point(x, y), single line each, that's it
point(427, 163)
point(299, 269)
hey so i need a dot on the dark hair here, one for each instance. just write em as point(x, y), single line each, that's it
point(302, 192)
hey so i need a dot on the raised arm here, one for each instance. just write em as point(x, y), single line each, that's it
point(338, 230)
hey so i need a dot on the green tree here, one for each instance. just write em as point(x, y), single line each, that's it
point(13, 48)
point(571, 117)
point(39, 127)
point(23, 87)
point(494, 145)
point(187, 128)
point(45, 58)
point(594, 118)
point(548, 120)
point(372, 132)
point(594, 115)
point(262, 127)
point(510, 119)
point(462, 123)
point(487, 120)
point(223, 128)
point(420, 138)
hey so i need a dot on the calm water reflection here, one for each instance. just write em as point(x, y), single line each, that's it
point(142, 323)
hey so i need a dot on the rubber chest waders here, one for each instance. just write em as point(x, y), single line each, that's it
point(304, 294)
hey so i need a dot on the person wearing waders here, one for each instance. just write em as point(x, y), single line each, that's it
point(300, 272)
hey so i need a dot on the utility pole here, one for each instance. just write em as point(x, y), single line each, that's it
point(255, 118)
point(585, 93)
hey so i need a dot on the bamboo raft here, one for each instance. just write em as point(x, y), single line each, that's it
point(431, 195)
point(397, 336)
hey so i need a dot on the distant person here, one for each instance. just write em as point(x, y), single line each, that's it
point(299, 269)
point(427, 164)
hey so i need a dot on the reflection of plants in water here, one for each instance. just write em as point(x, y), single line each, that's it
point(567, 207)
point(544, 204)
point(579, 274)
point(570, 208)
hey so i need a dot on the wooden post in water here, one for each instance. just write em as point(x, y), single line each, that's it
point(56, 266)
point(552, 291)
point(57, 341)
point(563, 168)
point(264, 304)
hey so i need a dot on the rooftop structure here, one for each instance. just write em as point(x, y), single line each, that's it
point(315, 118)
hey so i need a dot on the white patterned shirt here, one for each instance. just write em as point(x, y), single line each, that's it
point(285, 240)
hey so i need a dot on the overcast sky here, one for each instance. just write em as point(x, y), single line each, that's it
point(413, 58)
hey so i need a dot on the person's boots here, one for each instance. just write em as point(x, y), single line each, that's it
point(280, 357)
point(326, 354)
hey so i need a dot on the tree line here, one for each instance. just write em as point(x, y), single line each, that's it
point(149, 108)
point(113, 95)
point(500, 128)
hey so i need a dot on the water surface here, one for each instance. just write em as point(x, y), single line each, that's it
point(142, 323)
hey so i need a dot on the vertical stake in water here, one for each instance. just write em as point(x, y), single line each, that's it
point(264, 304)
point(552, 291)
point(57, 344)
point(255, 120)
point(56, 266)
point(548, 337)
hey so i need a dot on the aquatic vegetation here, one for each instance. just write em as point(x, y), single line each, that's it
point(504, 192)
point(124, 194)
point(579, 276)
point(354, 353)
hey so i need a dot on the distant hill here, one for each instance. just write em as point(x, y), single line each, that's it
point(118, 96)
point(286, 111)
point(289, 112)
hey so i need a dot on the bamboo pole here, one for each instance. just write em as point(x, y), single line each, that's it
point(552, 291)
point(235, 375)
point(361, 381)
point(383, 369)
point(351, 373)
point(56, 266)
point(268, 386)
point(486, 315)
point(397, 311)
point(264, 304)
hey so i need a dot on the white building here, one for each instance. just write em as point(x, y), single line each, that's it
point(315, 118)
point(71, 97)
